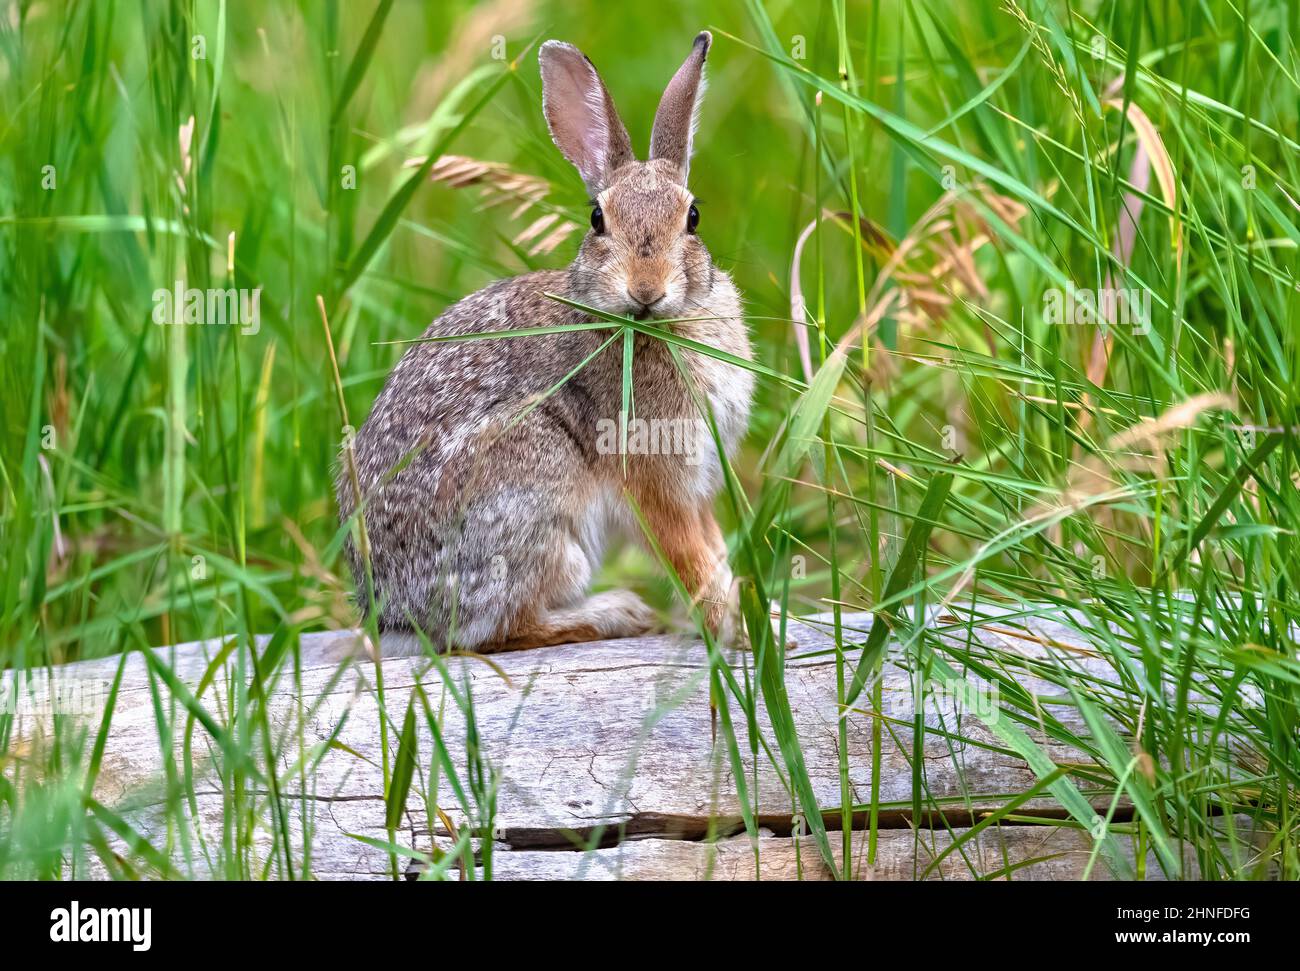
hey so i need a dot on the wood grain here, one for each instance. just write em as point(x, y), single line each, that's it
point(604, 761)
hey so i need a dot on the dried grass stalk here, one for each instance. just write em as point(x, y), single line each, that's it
point(499, 184)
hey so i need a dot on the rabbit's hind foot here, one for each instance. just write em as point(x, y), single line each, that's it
point(602, 616)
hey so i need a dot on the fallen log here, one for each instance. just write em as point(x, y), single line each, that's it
point(601, 760)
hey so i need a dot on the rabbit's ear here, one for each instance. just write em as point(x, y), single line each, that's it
point(580, 113)
point(679, 109)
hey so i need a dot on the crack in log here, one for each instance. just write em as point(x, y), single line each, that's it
point(701, 829)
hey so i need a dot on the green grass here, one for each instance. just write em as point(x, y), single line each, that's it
point(162, 484)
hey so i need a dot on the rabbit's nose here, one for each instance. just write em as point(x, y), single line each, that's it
point(646, 294)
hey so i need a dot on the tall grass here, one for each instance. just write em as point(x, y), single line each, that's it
point(949, 445)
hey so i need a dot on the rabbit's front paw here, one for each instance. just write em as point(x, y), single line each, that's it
point(724, 620)
point(721, 608)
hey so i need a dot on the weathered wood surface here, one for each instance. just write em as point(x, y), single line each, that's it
point(610, 744)
point(901, 854)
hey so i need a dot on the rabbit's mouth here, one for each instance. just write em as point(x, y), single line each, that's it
point(640, 310)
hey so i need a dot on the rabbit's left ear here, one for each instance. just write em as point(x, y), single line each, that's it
point(679, 109)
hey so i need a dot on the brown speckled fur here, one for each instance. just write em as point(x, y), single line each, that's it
point(486, 528)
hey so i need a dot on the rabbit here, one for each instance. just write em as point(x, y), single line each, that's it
point(489, 485)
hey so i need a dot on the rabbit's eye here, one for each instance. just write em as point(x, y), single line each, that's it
point(692, 218)
point(598, 221)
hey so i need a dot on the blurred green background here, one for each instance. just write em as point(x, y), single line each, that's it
point(100, 90)
point(159, 484)
point(132, 449)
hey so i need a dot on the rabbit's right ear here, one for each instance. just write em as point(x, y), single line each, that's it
point(581, 116)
